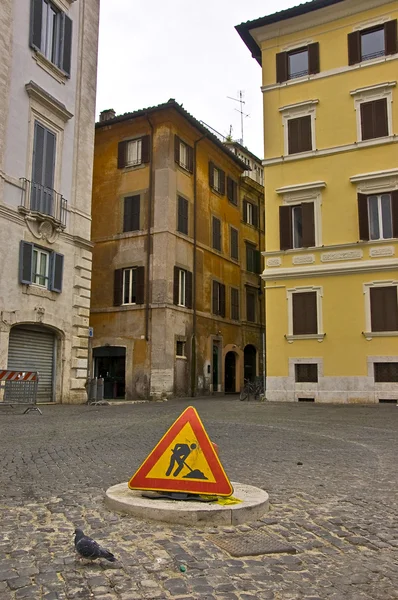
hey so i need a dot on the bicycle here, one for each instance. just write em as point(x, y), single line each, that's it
point(252, 388)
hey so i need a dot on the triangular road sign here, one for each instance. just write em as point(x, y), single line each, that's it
point(183, 461)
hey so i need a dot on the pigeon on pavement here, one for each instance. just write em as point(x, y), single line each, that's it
point(89, 548)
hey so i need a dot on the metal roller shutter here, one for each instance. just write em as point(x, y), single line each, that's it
point(33, 349)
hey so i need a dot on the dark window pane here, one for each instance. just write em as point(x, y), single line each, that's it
point(372, 44)
point(251, 306)
point(306, 373)
point(297, 222)
point(374, 226)
point(386, 216)
point(298, 63)
point(386, 372)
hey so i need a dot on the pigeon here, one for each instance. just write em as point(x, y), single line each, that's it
point(88, 548)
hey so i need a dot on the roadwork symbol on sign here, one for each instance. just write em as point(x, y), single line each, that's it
point(184, 460)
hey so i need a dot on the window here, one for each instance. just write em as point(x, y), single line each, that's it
point(234, 243)
point(297, 63)
point(216, 233)
point(374, 119)
point(305, 318)
point(182, 217)
point(232, 191)
point(384, 308)
point(234, 304)
point(131, 215)
point(183, 154)
point(306, 373)
point(297, 226)
point(132, 153)
point(299, 135)
point(386, 372)
point(251, 296)
point(129, 286)
point(180, 349)
point(51, 33)
point(250, 213)
point(218, 299)
point(42, 196)
point(38, 266)
point(378, 216)
point(253, 259)
point(372, 42)
point(216, 179)
point(182, 287)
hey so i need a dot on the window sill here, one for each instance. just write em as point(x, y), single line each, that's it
point(181, 357)
point(368, 335)
point(376, 140)
point(129, 168)
point(41, 292)
point(311, 336)
point(184, 169)
point(49, 67)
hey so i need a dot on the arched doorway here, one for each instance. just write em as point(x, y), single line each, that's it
point(33, 348)
point(250, 370)
point(230, 373)
point(110, 363)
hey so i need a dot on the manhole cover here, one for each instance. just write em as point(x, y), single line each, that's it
point(251, 544)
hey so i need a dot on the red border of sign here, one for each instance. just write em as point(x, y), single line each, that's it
point(222, 485)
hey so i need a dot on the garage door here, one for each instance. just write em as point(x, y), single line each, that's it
point(33, 349)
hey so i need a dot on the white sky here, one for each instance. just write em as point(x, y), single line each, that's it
point(155, 50)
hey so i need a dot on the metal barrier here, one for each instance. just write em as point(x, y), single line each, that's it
point(95, 391)
point(20, 387)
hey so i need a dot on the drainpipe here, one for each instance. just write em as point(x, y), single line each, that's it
point(148, 249)
point(262, 295)
point(193, 348)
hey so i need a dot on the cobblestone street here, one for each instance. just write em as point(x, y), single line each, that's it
point(331, 473)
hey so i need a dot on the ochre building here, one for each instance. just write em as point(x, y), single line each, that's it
point(331, 179)
point(178, 228)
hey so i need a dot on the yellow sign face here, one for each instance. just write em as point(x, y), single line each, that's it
point(183, 459)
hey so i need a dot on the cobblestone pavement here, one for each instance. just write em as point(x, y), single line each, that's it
point(331, 473)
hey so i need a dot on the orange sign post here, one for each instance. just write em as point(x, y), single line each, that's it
point(184, 460)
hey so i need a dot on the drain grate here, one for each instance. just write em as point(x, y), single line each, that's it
point(251, 544)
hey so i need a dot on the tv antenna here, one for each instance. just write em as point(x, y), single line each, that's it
point(240, 110)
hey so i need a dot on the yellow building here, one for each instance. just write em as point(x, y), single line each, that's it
point(331, 182)
point(178, 227)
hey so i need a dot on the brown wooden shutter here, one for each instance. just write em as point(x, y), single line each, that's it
point(215, 298)
point(145, 149)
point(390, 35)
point(229, 189)
point(255, 215)
point(216, 234)
point(380, 118)
point(250, 305)
point(367, 120)
point(313, 58)
point(127, 214)
point(121, 155)
point(354, 48)
point(177, 149)
point(211, 174)
point(363, 219)
point(190, 159)
point(305, 321)
point(245, 211)
point(176, 285)
point(285, 228)
point(222, 299)
point(308, 219)
point(222, 182)
point(281, 67)
point(234, 304)
point(394, 210)
point(293, 136)
point(140, 295)
point(257, 262)
point(188, 289)
point(384, 308)
point(305, 134)
point(118, 288)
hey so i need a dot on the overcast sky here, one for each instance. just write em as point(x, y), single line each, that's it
point(155, 50)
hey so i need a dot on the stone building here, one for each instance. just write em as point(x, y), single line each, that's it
point(178, 225)
point(47, 105)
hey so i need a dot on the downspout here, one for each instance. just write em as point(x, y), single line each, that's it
point(262, 294)
point(148, 248)
point(193, 348)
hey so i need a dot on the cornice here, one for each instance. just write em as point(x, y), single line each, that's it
point(298, 105)
point(301, 187)
point(45, 99)
point(374, 88)
point(364, 266)
point(375, 175)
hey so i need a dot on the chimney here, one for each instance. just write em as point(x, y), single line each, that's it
point(107, 115)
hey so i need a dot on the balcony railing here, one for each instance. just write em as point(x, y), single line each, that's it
point(44, 201)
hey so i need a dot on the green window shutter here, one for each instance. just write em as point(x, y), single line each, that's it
point(57, 269)
point(255, 215)
point(36, 18)
point(25, 262)
point(118, 288)
point(190, 159)
point(257, 262)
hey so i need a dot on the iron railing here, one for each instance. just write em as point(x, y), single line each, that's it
point(43, 200)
